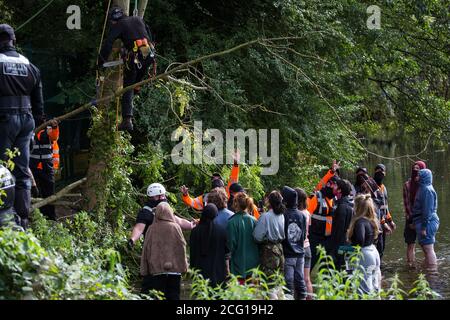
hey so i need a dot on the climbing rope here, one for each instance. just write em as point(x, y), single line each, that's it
point(35, 15)
point(135, 11)
point(97, 77)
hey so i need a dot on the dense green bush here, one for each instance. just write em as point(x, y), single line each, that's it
point(66, 262)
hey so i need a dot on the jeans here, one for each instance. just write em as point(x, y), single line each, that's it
point(294, 276)
point(16, 132)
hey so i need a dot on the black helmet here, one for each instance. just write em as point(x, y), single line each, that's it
point(7, 187)
point(6, 28)
point(116, 13)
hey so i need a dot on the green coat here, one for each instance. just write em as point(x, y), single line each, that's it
point(243, 248)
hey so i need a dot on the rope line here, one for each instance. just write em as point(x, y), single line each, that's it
point(35, 15)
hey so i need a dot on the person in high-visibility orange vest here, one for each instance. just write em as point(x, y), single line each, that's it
point(321, 208)
point(44, 160)
point(386, 221)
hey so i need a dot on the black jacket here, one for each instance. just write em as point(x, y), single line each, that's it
point(341, 221)
point(20, 83)
point(127, 29)
point(294, 225)
point(212, 264)
point(363, 233)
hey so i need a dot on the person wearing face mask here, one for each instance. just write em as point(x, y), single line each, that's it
point(386, 217)
point(145, 217)
point(409, 195)
point(216, 182)
point(321, 206)
point(360, 173)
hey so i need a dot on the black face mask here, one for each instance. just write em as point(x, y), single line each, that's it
point(328, 192)
point(153, 203)
point(378, 177)
point(359, 180)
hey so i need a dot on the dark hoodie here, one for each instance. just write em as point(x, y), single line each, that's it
point(208, 247)
point(425, 205)
point(341, 221)
point(294, 226)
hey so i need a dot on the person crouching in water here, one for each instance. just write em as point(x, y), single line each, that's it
point(243, 248)
point(363, 231)
point(164, 253)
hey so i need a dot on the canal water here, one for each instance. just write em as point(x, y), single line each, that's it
point(437, 159)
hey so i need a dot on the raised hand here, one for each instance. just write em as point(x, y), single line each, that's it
point(184, 190)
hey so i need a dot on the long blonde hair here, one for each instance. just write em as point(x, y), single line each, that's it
point(364, 209)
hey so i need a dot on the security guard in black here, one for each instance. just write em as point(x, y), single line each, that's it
point(20, 101)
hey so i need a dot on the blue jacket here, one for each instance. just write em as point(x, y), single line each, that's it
point(425, 204)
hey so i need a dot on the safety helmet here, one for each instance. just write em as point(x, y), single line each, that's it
point(116, 13)
point(156, 189)
point(6, 28)
point(7, 187)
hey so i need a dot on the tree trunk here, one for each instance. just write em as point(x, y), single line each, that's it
point(103, 130)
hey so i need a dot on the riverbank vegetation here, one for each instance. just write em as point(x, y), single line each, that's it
point(317, 73)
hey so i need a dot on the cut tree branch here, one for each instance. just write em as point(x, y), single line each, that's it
point(164, 75)
point(58, 195)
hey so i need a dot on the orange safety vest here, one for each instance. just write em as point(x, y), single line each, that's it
point(197, 203)
point(47, 149)
point(321, 210)
point(55, 155)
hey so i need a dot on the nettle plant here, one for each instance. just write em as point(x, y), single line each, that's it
point(333, 284)
point(258, 287)
point(329, 284)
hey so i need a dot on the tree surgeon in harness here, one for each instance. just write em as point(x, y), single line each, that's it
point(44, 160)
point(138, 56)
point(8, 217)
point(20, 101)
point(157, 194)
point(321, 206)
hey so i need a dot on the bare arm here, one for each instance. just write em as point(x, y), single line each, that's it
point(138, 230)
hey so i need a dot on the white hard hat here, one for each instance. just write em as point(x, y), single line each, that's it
point(156, 189)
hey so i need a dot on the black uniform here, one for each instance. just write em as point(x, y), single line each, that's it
point(20, 100)
point(129, 29)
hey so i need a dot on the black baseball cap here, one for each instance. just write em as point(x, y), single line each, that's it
point(6, 28)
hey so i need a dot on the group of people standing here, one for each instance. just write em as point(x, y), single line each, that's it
point(284, 237)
